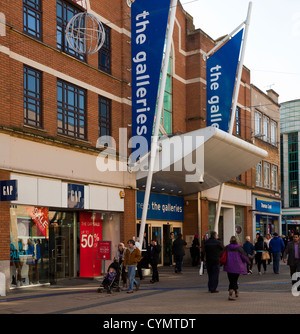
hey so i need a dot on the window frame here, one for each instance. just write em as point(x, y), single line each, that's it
point(65, 109)
point(30, 96)
point(35, 7)
point(104, 122)
point(105, 51)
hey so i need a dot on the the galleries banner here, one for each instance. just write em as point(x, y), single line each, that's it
point(149, 21)
point(221, 74)
point(90, 234)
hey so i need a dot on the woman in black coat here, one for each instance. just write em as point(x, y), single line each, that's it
point(153, 252)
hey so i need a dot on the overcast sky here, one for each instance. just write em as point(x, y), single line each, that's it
point(273, 47)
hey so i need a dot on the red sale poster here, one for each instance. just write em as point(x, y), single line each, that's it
point(40, 217)
point(90, 234)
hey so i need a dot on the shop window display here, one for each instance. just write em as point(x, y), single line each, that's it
point(29, 261)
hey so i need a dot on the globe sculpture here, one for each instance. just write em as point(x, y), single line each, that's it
point(85, 33)
point(129, 2)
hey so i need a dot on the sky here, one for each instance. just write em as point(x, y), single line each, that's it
point(273, 45)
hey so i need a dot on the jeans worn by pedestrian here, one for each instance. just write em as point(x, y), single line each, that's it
point(131, 277)
point(276, 259)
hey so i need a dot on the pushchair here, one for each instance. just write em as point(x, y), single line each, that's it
point(111, 280)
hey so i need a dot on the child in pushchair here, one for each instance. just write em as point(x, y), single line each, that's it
point(111, 279)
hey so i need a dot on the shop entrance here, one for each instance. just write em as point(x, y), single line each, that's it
point(61, 245)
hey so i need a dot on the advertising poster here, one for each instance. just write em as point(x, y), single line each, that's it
point(90, 234)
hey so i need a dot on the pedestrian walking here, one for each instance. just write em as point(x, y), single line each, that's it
point(268, 238)
point(178, 251)
point(292, 251)
point(131, 258)
point(169, 249)
point(260, 247)
point(153, 252)
point(276, 247)
point(212, 252)
point(195, 251)
point(235, 265)
point(119, 257)
point(249, 250)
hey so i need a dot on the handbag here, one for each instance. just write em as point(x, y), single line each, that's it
point(265, 255)
point(201, 269)
point(223, 258)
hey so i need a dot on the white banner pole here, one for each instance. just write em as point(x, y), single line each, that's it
point(233, 111)
point(154, 146)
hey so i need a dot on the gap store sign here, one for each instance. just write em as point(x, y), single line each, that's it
point(267, 206)
point(160, 207)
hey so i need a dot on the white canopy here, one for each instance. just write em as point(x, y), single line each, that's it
point(198, 160)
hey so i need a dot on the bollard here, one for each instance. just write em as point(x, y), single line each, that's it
point(2, 285)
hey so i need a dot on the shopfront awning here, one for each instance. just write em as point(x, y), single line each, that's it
point(198, 160)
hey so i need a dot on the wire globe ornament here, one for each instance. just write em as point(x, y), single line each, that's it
point(129, 2)
point(85, 33)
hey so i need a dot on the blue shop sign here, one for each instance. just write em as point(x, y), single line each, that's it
point(160, 207)
point(268, 206)
point(75, 196)
point(9, 190)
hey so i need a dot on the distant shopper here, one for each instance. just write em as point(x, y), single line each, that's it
point(169, 245)
point(195, 251)
point(276, 247)
point(178, 251)
point(235, 265)
point(293, 252)
point(212, 252)
point(131, 258)
point(249, 250)
point(153, 252)
point(260, 247)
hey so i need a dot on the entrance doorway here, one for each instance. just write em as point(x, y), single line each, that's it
point(61, 245)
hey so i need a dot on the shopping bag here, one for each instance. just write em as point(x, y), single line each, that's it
point(265, 255)
point(201, 269)
point(223, 258)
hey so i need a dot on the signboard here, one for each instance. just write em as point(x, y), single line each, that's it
point(161, 207)
point(9, 190)
point(75, 196)
point(264, 205)
point(40, 217)
point(149, 21)
point(90, 226)
point(104, 250)
point(221, 75)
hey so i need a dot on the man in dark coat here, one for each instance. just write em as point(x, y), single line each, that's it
point(213, 249)
point(153, 256)
point(293, 252)
point(178, 251)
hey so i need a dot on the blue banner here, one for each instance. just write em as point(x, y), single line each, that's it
point(9, 190)
point(149, 21)
point(220, 75)
point(160, 207)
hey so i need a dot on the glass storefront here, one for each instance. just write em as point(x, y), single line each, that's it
point(48, 244)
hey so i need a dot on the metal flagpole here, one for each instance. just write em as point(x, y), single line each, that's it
point(233, 111)
point(154, 146)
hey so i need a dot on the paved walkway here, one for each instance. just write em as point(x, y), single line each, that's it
point(184, 294)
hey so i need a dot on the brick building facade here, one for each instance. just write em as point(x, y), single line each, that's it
point(56, 104)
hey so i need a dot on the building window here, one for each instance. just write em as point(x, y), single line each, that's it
point(273, 133)
point(266, 129)
point(238, 121)
point(293, 170)
point(64, 12)
point(32, 13)
point(32, 97)
point(104, 117)
point(71, 105)
point(105, 52)
point(257, 123)
point(267, 176)
point(274, 177)
point(258, 175)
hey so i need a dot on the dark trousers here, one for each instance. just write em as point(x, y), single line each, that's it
point(178, 266)
point(233, 281)
point(213, 276)
point(155, 277)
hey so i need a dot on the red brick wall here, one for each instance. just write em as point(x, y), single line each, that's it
point(4, 223)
